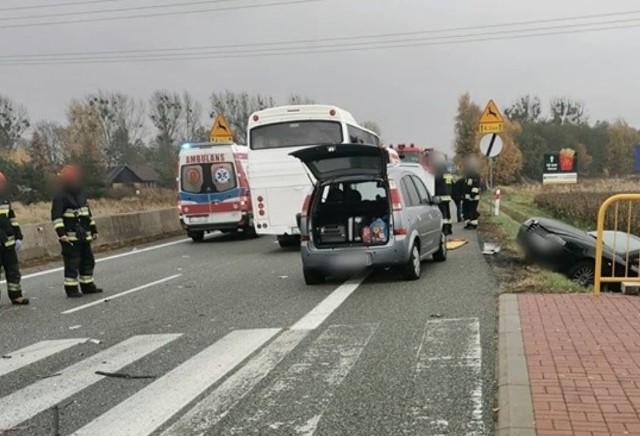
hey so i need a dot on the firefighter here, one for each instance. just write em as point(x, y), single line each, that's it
point(472, 192)
point(76, 229)
point(458, 197)
point(10, 243)
point(444, 190)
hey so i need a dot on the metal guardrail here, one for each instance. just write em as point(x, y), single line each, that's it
point(616, 201)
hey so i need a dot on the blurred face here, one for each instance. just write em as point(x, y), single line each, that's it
point(72, 178)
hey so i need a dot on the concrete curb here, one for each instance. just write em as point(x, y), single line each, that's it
point(515, 414)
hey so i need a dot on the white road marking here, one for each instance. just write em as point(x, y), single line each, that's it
point(104, 259)
point(144, 412)
point(295, 402)
point(26, 356)
point(35, 398)
point(449, 362)
point(121, 294)
point(321, 312)
point(213, 408)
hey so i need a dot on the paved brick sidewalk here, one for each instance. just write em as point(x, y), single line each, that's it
point(583, 357)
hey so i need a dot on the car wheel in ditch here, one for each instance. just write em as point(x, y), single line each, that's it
point(313, 277)
point(413, 268)
point(441, 254)
point(582, 273)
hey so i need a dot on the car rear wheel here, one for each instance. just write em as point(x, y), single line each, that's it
point(196, 236)
point(582, 273)
point(413, 268)
point(441, 254)
point(313, 277)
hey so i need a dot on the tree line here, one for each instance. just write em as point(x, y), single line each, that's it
point(106, 129)
point(602, 148)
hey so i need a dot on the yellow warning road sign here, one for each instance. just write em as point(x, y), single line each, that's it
point(220, 131)
point(491, 120)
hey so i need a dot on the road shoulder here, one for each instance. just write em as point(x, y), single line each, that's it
point(515, 414)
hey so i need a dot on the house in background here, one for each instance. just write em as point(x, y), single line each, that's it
point(133, 176)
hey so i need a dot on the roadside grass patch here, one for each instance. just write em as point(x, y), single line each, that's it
point(514, 273)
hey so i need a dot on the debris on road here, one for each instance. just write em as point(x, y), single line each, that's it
point(95, 341)
point(490, 248)
point(124, 376)
point(75, 327)
point(454, 244)
point(283, 277)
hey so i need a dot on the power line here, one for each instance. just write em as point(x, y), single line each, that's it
point(110, 11)
point(312, 50)
point(160, 14)
point(158, 51)
point(259, 47)
point(57, 5)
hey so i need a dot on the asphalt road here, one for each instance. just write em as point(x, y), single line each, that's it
point(224, 338)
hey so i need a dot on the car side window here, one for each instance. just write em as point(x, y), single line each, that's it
point(423, 192)
point(410, 192)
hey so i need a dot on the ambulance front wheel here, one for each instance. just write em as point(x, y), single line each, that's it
point(196, 236)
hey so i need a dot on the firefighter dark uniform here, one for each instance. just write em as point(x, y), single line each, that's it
point(471, 198)
point(72, 218)
point(458, 197)
point(444, 189)
point(10, 234)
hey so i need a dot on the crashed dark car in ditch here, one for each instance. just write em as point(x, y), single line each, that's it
point(572, 251)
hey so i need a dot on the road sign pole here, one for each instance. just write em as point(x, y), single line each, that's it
point(490, 173)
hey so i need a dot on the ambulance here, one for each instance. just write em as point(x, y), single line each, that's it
point(213, 189)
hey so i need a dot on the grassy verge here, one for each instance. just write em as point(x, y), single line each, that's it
point(514, 273)
point(148, 199)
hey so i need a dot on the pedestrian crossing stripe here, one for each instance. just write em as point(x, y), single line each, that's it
point(46, 393)
point(185, 383)
point(33, 353)
point(294, 401)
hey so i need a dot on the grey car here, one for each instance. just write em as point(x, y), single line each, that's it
point(365, 213)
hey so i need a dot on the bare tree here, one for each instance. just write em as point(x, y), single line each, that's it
point(526, 109)
point(194, 130)
point(299, 99)
point(46, 146)
point(13, 123)
point(567, 111)
point(83, 134)
point(237, 107)
point(373, 126)
point(122, 118)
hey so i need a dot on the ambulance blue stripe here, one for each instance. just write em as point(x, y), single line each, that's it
point(206, 198)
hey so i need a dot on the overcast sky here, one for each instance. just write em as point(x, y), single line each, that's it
point(411, 92)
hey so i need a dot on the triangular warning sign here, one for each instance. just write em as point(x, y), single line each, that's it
point(220, 131)
point(491, 114)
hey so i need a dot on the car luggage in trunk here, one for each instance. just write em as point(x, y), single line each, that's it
point(342, 217)
point(333, 234)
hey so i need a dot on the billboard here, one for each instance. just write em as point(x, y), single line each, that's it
point(560, 168)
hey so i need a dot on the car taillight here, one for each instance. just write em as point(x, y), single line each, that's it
point(400, 232)
point(396, 199)
point(305, 238)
